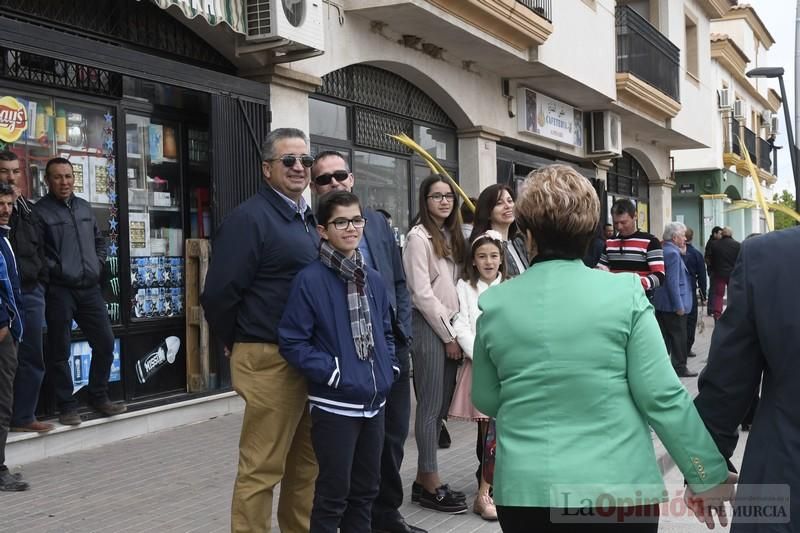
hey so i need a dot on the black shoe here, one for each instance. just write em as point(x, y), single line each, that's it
point(398, 526)
point(443, 501)
point(686, 373)
point(692, 354)
point(416, 492)
point(70, 418)
point(444, 437)
point(746, 427)
point(12, 482)
point(109, 409)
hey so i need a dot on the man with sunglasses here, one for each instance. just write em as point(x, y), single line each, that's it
point(258, 250)
point(380, 251)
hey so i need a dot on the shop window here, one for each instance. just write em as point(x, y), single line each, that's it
point(382, 183)
point(328, 120)
point(440, 143)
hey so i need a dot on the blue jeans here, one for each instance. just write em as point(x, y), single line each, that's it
point(30, 369)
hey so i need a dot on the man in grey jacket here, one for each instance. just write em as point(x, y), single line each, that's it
point(75, 252)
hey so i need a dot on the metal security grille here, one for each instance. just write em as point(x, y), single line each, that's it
point(543, 8)
point(133, 23)
point(236, 152)
point(258, 17)
point(371, 128)
point(380, 89)
point(51, 72)
point(628, 178)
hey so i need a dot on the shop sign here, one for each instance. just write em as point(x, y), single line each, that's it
point(214, 11)
point(686, 188)
point(541, 115)
point(13, 119)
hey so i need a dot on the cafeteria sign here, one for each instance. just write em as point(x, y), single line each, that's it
point(13, 119)
point(549, 118)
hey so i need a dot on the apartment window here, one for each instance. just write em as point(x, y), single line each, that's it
point(690, 46)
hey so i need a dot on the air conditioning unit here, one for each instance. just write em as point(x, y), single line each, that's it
point(766, 117)
point(605, 133)
point(738, 109)
point(773, 125)
point(299, 22)
point(724, 98)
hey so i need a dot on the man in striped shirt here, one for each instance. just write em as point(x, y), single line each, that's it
point(631, 250)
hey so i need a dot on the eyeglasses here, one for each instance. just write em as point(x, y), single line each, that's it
point(289, 160)
point(338, 175)
point(343, 223)
point(439, 197)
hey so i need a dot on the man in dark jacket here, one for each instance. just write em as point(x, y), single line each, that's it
point(258, 250)
point(380, 251)
point(758, 334)
point(696, 265)
point(721, 256)
point(11, 331)
point(28, 244)
point(75, 251)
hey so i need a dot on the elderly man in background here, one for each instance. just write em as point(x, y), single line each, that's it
point(673, 300)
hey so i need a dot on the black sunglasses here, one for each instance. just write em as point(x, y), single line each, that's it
point(289, 160)
point(325, 179)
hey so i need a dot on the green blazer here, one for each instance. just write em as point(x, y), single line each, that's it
point(571, 362)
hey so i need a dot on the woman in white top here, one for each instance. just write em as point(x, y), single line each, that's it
point(484, 269)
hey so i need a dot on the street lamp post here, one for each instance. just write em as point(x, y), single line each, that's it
point(777, 72)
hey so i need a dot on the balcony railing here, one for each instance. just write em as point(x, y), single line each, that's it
point(646, 53)
point(750, 142)
point(543, 8)
point(734, 131)
point(765, 156)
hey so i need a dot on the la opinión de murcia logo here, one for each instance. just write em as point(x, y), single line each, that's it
point(13, 119)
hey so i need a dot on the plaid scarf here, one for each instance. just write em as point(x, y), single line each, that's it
point(352, 271)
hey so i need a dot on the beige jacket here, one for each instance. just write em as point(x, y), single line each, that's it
point(431, 281)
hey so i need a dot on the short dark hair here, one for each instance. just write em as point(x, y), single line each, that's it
point(6, 189)
point(8, 155)
point(715, 229)
point(467, 214)
point(56, 161)
point(332, 200)
point(607, 225)
point(329, 153)
point(623, 206)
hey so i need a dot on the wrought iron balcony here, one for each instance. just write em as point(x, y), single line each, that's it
point(765, 156)
point(543, 8)
point(646, 53)
point(734, 133)
point(749, 137)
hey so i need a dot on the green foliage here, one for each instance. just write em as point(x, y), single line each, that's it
point(782, 220)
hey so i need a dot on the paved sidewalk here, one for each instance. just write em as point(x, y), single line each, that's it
point(180, 480)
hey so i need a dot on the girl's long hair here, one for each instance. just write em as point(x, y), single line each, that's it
point(452, 223)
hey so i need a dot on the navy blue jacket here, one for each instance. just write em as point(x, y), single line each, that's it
point(676, 292)
point(315, 337)
point(259, 248)
point(10, 293)
point(696, 265)
point(386, 255)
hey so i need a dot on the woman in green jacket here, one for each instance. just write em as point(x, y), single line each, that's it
point(572, 364)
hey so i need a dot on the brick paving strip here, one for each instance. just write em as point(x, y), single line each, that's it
point(181, 480)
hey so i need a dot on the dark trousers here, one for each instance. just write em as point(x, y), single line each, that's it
point(450, 375)
point(88, 309)
point(348, 451)
point(397, 413)
point(720, 284)
point(527, 519)
point(673, 329)
point(691, 325)
point(8, 367)
point(30, 370)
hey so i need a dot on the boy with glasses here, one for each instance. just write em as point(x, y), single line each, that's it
point(337, 331)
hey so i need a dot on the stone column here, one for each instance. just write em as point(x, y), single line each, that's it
point(660, 205)
point(288, 95)
point(477, 158)
point(713, 213)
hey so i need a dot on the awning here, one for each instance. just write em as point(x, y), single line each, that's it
point(214, 11)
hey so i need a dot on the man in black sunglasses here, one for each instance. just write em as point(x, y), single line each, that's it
point(258, 250)
point(380, 251)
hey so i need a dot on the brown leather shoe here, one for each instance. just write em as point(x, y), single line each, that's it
point(108, 408)
point(35, 427)
point(70, 418)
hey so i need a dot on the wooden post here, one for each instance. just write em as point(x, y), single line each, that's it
point(198, 353)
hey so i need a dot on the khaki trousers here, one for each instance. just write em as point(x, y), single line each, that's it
point(275, 444)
